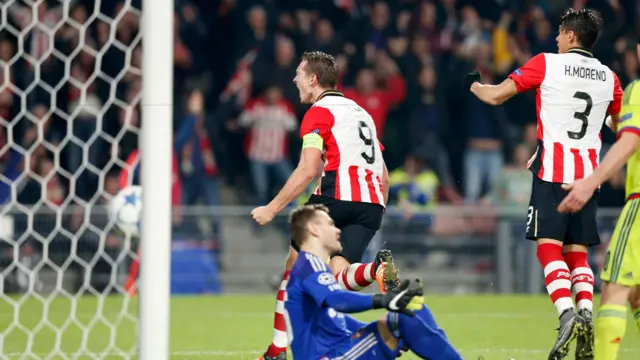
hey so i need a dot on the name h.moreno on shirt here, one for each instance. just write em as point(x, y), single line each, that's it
point(585, 72)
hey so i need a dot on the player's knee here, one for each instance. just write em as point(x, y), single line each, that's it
point(615, 294)
point(338, 264)
point(634, 298)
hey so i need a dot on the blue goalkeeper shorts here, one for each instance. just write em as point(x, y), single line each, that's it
point(366, 344)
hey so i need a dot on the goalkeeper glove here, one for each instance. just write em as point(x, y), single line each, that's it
point(471, 78)
point(400, 299)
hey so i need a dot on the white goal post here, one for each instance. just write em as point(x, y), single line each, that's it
point(74, 83)
point(157, 152)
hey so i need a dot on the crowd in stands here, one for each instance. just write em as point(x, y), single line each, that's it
point(404, 62)
point(70, 109)
point(236, 108)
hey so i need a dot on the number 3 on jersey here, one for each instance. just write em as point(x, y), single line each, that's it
point(582, 116)
point(367, 137)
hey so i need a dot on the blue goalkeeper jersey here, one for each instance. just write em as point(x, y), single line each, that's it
point(314, 329)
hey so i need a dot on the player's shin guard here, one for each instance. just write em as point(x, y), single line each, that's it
point(611, 324)
point(280, 340)
point(425, 341)
point(557, 277)
point(581, 279)
point(357, 276)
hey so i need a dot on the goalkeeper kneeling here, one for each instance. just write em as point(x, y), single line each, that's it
point(315, 305)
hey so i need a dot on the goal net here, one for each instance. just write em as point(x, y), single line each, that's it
point(69, 119)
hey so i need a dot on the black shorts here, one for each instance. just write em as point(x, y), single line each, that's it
point(545, 222)
point(357, 221)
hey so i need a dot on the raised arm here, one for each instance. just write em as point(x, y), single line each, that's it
point(315, 129)
point(495, 94)
point(529, 76)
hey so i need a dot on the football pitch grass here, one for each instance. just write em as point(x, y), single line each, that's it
point(240, 327)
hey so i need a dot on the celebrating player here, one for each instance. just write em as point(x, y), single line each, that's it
point(574, 93)
point(353, 184)
point(315, 305)
point(621, 268)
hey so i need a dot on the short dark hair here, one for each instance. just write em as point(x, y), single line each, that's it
point(585, 23)
point(299, 219)
point(323, 66)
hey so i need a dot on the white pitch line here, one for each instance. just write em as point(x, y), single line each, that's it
point(254, 352)
point(260, 314)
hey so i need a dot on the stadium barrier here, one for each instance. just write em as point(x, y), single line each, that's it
point(75, 251)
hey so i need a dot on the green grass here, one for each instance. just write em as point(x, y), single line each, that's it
point(239, 327)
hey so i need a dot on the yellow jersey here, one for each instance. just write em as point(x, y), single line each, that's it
point(630, 122)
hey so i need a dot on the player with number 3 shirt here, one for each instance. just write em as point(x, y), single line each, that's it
point(574, 95)
point(341, 149)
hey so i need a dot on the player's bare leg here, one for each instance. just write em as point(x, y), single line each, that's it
point(357, 276)
point(634, 302)
point(611, 322)
point(558, 282)
point(278, 348)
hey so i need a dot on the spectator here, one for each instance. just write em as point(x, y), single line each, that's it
point(414, 188)
point(325, 39)
point(85, 106)
point(279, 72)
point(378, 101)
point(378, 27)
point(483, 158)
point(513, 186)
point(630, 68)
point(268, 119)
point(405, 58)
point(198, 167)
point(428, 27)
point(425, 121)
point(102, 260)
point(259, 36)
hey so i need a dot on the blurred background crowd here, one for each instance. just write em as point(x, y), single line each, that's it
point(237, 111)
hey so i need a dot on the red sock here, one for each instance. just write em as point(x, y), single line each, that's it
point(280, 340)
point(357, 276)
point(557, 276)
point(581, 279)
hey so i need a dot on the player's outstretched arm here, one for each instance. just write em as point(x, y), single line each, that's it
point(527, 77)
point(301, 177)
point(323, 288)
point(616, 157)
point(582, 190)
point(495, 94)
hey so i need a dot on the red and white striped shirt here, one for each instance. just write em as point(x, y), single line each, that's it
point(267, 140)
point(574, 94)
point(353, 155)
